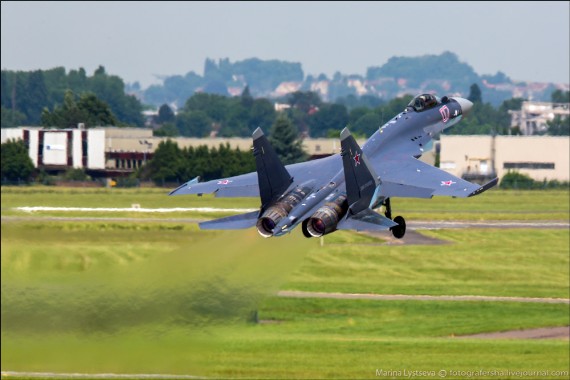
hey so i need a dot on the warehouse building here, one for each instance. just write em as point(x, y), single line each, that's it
point(115, 152)
point(479, 158)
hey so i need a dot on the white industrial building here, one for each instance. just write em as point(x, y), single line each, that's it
point(539, 157)
point(533, 117)
point(61, 148)
point(113, 151)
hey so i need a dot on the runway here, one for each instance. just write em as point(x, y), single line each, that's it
point(411, 225)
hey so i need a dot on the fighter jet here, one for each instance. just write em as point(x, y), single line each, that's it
point(342, 191)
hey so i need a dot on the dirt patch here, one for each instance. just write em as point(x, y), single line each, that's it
point(541, 333)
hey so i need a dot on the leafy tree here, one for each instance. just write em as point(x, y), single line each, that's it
point(31, 92)
point(66, 115)
point(414, 69)
point(15, 162)
point(76, 174)
point(246, 98)
point(559, 126)
point(329, 117)
point(304, 101)
point(284, 138)
point(236, 120)
point(35, 97)
point(512, 104)
point(11, 119)
point(89, 110)
point(516, 180)
point(194, 123)
point(214, 106)
point(475, 94)
point(393, 107)
point(99, 113)
point(110, 89)
point(167, 163)
point(165, 114)
point(167, 130)
point(262, 114)
point(367, 124)
point(357, 113)
point(560, 96)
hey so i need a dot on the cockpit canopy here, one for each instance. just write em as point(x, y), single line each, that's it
point(424, 102)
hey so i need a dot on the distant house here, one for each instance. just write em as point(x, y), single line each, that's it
point(533, 117)
point(479, 158)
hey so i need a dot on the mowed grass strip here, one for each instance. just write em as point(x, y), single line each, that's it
point(491, 262)
point(113, 197)
point(249, 352)
point(309, 338)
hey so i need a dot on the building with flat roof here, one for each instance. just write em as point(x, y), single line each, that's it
point(484, 157)
point(533, 117)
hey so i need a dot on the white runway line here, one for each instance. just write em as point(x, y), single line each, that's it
point(51, 375)
point(132, 209)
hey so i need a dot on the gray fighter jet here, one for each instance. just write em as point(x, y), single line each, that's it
point(340, 192)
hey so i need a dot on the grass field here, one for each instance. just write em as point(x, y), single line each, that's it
point(495, 205)
point(164, 297)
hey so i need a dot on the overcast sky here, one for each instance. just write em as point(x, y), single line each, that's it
point(141, 41)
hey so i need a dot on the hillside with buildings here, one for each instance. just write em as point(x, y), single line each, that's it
point(441, 74)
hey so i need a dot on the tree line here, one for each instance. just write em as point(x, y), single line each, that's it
point(170, 163)
point(56, 98)
point(25, 95)
point(240, 115)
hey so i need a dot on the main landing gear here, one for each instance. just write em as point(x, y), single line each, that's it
point(400, 230)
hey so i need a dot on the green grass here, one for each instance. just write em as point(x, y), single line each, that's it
point(370, 319)
point(163, 297)
point(492, 205)
point(517, 262)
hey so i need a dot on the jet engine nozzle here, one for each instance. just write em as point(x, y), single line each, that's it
point(326, 218)
point(271, 217)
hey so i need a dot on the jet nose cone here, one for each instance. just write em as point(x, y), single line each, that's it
point(465, 105)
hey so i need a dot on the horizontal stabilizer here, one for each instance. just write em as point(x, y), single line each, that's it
point(191, 182)
point(366, 220)
point(485, 187)
point(234, 222)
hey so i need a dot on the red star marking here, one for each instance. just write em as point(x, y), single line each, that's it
point(447, 183)
point(356, 159)
point(224, 182)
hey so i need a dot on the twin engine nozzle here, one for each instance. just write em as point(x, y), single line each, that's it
point(271, 217)
point(322, 222)
point(326, 218)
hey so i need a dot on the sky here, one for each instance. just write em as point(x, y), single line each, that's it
point(146, 41)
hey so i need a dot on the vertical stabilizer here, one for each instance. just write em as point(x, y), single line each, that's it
point(361, 180)
point(273, 178)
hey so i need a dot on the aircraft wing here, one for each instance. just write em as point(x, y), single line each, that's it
point(246, 185)
point(409, 177)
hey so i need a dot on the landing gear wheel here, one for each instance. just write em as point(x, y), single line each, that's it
point(400, 230)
